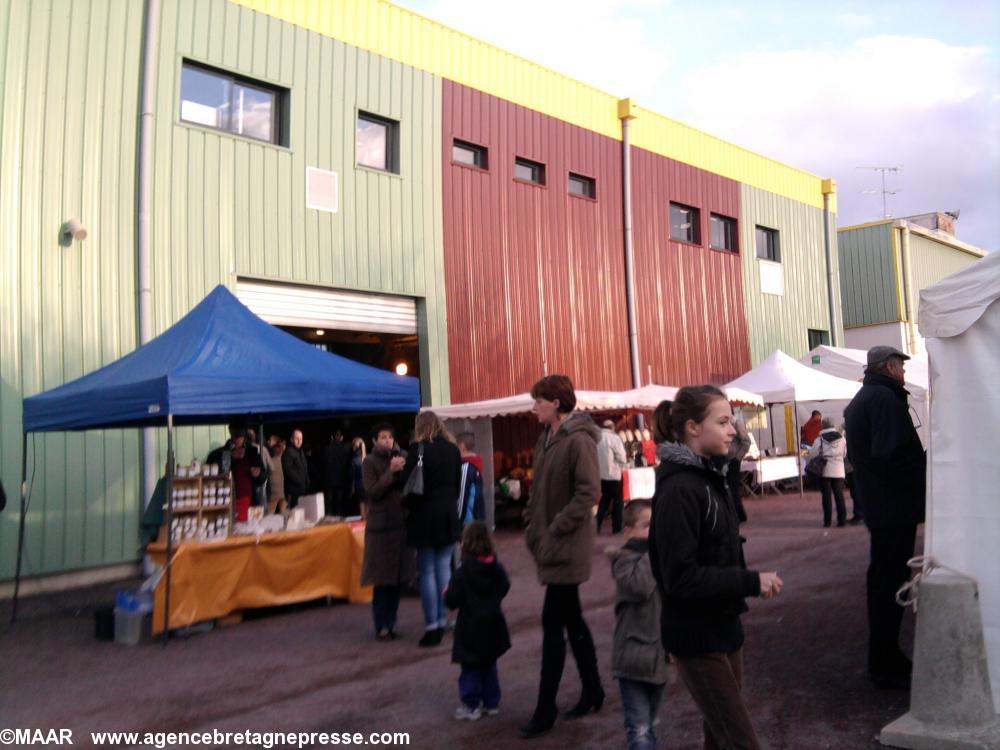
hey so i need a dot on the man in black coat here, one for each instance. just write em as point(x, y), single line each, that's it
point(337, 474)
point(890, 475)
point(295, 469)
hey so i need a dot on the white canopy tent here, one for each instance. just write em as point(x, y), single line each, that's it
point(960, 321)
point(476, 417)
point(779, 379)
point(850, 364)
point(646, 397)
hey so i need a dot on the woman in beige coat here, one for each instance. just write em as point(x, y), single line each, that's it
point(560, 535)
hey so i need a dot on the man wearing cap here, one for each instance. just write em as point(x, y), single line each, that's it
point(611, 459)
point(890, 476)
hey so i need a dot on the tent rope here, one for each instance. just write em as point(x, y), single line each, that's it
point(909, 592)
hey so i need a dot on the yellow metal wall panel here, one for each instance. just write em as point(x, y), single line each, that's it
point(408, 37)
point(661, 135)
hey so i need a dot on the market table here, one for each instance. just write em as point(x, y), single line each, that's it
point(214, 579)
point(770, 469)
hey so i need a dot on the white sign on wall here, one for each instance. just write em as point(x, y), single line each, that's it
point(772, 277)
point(321, 190)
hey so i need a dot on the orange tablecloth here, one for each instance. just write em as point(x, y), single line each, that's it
point(213, 579)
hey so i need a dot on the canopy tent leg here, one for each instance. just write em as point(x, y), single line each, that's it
point(20, 530)
point(169, 526)
point(798, 447)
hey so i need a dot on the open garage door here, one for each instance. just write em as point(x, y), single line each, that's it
point(330, 309)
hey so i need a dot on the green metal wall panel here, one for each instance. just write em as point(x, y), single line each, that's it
point(868, 288)
point(237, 206)
point(69, 73)
point(932, 261)
point(223, 206)
point(782, 322)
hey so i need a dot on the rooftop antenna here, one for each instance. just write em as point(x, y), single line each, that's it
point(885, 193)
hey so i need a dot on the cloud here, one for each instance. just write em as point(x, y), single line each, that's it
point(603, 43)
point(886, 101)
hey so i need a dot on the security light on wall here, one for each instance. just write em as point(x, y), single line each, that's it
point(72, 230)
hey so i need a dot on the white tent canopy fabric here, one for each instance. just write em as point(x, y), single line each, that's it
point(779, 379)
point(646, 397)
point(850, 365)
point(960, 320)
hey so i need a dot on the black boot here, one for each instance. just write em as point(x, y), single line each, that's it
point(541, 722)
point(592, 696)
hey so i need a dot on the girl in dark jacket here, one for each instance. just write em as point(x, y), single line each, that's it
point(481, 636)
point(697, 557)
point(432, 524)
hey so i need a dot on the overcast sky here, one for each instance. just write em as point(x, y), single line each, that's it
point(826, 87)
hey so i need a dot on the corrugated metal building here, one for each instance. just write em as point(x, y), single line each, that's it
point(328, 180)
point(883, 267)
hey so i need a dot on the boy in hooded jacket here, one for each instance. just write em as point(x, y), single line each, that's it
point(476, 590)
point(638, 660)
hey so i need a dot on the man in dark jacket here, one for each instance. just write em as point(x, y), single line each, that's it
point(890, 476)
point(295, 469)
point(337, 474)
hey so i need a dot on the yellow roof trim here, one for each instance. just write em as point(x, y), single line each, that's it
point(865, 226)
point(407, 37)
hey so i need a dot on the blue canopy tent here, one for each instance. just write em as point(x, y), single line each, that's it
point(218, 361)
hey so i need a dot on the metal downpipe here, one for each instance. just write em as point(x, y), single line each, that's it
point(828, 247)
point(145, 190)
point(633, 333)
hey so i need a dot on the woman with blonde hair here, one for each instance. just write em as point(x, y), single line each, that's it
point(432, 526)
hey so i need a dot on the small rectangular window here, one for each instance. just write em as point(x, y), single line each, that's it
point(685, 223)
point(238, 105)
point(377, 143)
point(818, 338)
point(529, 171)
point(768, 244)
point(723, 232)
point(585, 187)
point(469, 154)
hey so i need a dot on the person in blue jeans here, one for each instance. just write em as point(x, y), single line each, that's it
point(638, 660)
point(432, 524)
point(481, 637)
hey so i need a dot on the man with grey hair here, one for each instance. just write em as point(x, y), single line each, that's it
point(890, 476)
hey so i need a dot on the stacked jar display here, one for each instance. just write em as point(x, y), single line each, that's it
point(202, 501)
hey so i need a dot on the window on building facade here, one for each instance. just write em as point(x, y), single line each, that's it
point(818, 338)
point(685, 223)
point(723, 232)
point(220, 100)
point(469, 154)
point(529, 171)
point(585, 187)
point(377, 143)
point(768, 245)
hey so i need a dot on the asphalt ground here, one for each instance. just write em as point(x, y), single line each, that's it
point(318, 668)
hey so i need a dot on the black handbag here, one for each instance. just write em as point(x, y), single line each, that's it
point(415, 483)
point(817, 464)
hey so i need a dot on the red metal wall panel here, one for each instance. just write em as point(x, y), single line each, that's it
point(534, 276)
point(689, 298)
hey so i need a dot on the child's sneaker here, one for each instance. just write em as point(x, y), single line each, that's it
point(492, 711)
point(463, 712)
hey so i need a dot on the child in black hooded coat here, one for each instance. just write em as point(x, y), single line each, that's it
point(476, 590)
